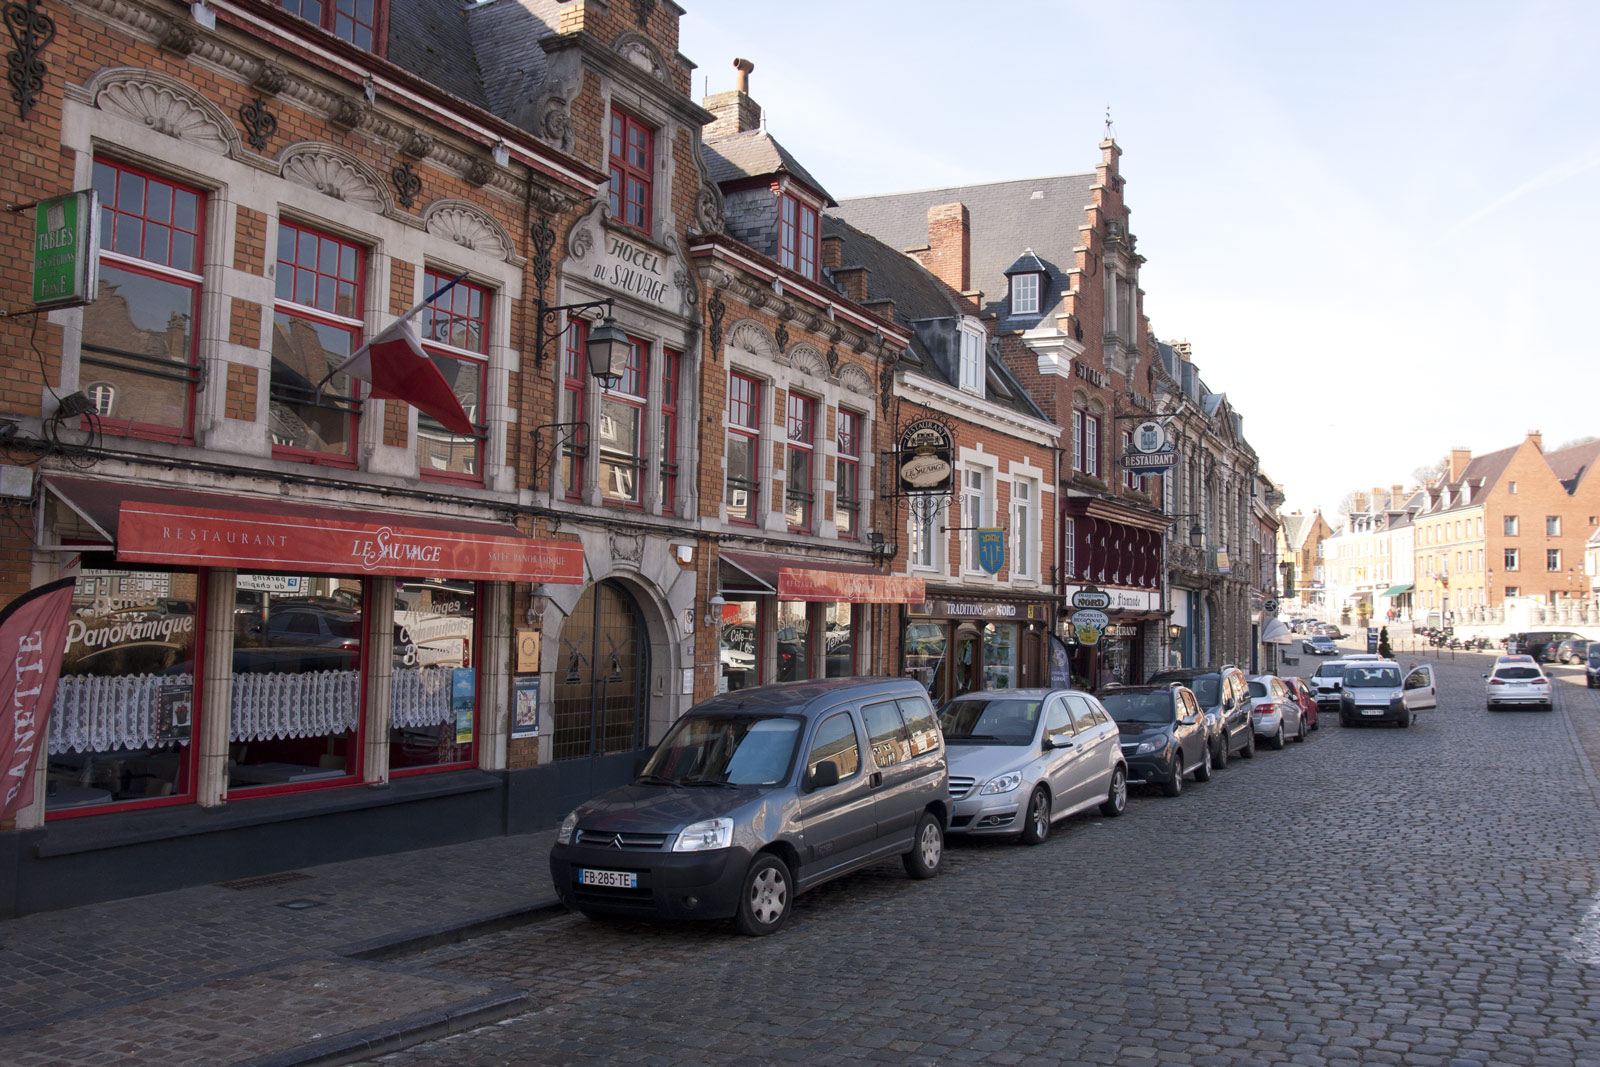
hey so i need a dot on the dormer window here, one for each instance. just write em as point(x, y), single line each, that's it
point(972, 358)
point(1026, 277)
point(354, 20)
point(797, 236)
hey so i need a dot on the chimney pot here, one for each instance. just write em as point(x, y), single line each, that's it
point(745, 69)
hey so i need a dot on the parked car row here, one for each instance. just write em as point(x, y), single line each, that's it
point(757, 795)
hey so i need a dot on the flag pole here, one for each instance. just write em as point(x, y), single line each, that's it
point(430, 298)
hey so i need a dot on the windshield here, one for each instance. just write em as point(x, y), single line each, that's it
point(999, 720)
point(1594, 657)
point(1371, 677)
point(1139, 707)
point(1518, 672)
point(728, 749)
point(1206, 689)
point(1329, 670)
point(1258, 689)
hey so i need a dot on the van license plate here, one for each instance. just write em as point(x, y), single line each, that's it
point(609, 879)
point(1372, 711)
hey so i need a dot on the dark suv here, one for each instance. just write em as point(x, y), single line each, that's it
point(1163, 734)
point(758, 795)
point(1224, 692)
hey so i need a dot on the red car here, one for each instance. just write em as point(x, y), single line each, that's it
point(1305, 695)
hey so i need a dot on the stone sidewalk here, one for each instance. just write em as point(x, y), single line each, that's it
point(291, 968)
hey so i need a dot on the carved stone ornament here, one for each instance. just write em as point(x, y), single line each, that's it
point(467, 226)
point(479, 172)
point(627, 548)
point(886, 385)
point(334, 172)
point(417, 145)
point(270, 79)
point(642, 54)
point(346, 113)
point(717, 309)
point(806, 360)
point(708, 210)
point(856, 380)
point(833, 359)
point(749, 337)
point(31, 31)
point(164, 105)
point(180, 37)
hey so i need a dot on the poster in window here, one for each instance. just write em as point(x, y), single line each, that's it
point(174, 713)
point(525, 706)
point(463, 696)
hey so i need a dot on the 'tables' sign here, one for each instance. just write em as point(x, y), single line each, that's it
point(66, 249)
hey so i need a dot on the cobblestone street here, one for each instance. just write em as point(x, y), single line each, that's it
point(1421, 896)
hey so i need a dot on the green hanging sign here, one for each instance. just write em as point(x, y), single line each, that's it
point(66, 250)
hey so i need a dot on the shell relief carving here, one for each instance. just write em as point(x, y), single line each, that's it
point(330, 172)
point(467, 226)
point(166, 106)
point(749, 337)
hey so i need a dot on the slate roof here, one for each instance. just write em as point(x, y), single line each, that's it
point(927, 307)
point(1295, 528)
point(1571, 464)
point(506, 35)
point(755, 154)
point(431, 39)
point(1044, 214)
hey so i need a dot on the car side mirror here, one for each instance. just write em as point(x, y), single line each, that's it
point(824, 774)
point(1058, 741)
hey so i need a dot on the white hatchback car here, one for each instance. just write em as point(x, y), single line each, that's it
point(1518, 681)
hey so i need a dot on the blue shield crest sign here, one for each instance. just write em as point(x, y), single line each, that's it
point(991, 550)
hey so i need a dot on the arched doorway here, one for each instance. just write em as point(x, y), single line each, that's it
point(602, 673)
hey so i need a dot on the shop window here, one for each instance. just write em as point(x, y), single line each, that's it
point(140, 340)
point(922, 530)
point(123, 721)
point(621, 430)
point(925, 644)
point(316, 326)
point(838, 640)
point(297, 690)
point(836, 742)
point(455, 329)
point(799, 495)
point(574, 410)
point(847, 476)
point(740, 652)
point(671, 363)
point(631, 164)
point(433, 695)
point(797, 236)
point(1000, 643)
point(794, 642)
point(354, 20)
point(742, 489)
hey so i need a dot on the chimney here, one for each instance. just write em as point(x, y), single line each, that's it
point(852, 281)
point(883, 307)
point(1377, 499)
point(1397, 497)
point(1537, 438)
point(1184, 350)
point(1459, 458)
point(1358, 503)
point(735, 112)
point(949, 254)
point(832, 251)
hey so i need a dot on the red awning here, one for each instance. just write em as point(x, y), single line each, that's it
point(798, 578)
point(154, 524)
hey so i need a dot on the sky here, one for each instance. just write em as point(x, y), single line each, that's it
point(1376, 223)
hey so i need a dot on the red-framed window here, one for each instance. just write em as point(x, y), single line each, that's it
point(800, 462)
point(140, 348)
point(797, 236)
point(357, 21)
point(847, 476)
point(434, 674)
point(455, 331)
point(670, 365)
point(632, 161)
point(621, 431)
point(741, 488)
point(574, 410)
point(316, 326)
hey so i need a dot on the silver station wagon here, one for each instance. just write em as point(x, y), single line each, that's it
point(758, 795)
point(1021, 759)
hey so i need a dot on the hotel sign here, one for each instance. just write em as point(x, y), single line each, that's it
point(210, 537)
point(927, 457)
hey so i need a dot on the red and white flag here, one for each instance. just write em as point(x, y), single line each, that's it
point(33, 638)
point(397, 368)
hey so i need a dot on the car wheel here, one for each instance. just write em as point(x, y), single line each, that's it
point(1405, 721)
point(765, 898)
point(1174, 783)
point(927, 849)
point(1220, 758)
point(1345, 720)
point(1116, 801)
point(1037, 827)
point(1249, 749)
point(1277, 739)
point(1202, 773)
point(1300, 738)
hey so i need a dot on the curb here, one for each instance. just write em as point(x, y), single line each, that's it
point(392, 946)
point(402, 1033)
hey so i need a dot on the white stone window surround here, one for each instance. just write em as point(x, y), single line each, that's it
point(1038, 480)
point(659, 332)
point(229, 184)
point(926, 509)
point(615, 94)
point(774, 374)
point(968, 460)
